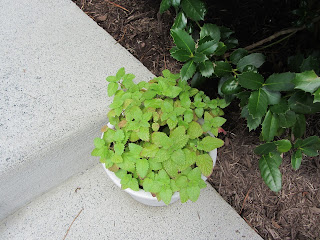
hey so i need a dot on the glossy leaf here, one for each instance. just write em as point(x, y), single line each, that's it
point(165, 5)
point(287, 120)
point(299, 127)
point(180, 21)
point(296, 159)
point(265, 149)
point(199, 57)
point(283, 145)
point(255, 59)
point(252, 123)
point(273, 96)
point(212, 31)
point(302, 102)
point(187, 71)
point(222, 68)
point(237, 55)
point(270, 173)
point(194, 9)
point(208, 47)
point(280, 81)
point(258, 103)
point(307, 81)
point(270, 126)
point(316, 96)
point(183, 40)
point(206, 68)
point(180, 54)
point(280, 108)
point(251, 80)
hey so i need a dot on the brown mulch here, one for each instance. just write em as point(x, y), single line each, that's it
point(294, 212)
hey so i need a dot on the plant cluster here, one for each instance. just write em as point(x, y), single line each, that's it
point(157, 143)
point(278, 103)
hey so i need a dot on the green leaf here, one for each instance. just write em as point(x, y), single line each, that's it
point(118, 135)
point(206, 68)
point(251, 80)
point(310, 63)
point(280, 81)
point(184, 197)
point(162, 155)
point(212, 31)
point(194, 130)
point(258, 103)
point(296, 160)
point(144, 134)
point(273, 96)
point(307, 81)
point(161, 140)
point(193, 193)
point(180, 54)
point(185, 100)
point(179, 137)
point(302, 102)
point(179, 157)
point(205, 163)
point(188, 115)
point(165, 5)
point(218, 121)
point(207, 48)
point(120, 74)
point(255, 59)
point(210, 143)
point(199, 112)
point(98, 142)
point(166, 195)
point(222, 68)
point(116, 158)
point(283, 145)
point(112, 88)
point(183, 40)
point(187, 71)
point(194, 174)
point(265, 149)
point(119, 148)
point(111, 79)
point(316, 96)
point(180, 21)
point(149, 151)
point(237, 55)
point(135, 149)
point(309, 146)
point(270, 173)
point(194, 9)
point(299, 127)
point(270, 126)
point(171, 168)
point(142, 167)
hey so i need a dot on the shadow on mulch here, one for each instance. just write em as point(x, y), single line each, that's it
point(294, 213)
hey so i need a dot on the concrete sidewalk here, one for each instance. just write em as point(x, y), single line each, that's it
point(109, 213)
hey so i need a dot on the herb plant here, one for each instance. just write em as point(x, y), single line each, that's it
point(277, 103)
point(158, 144)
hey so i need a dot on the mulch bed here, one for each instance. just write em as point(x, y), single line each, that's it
point(294, 212)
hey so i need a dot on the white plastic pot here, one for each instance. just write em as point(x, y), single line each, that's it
point(146, 197)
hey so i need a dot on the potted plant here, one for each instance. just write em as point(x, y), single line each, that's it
point(160, 140)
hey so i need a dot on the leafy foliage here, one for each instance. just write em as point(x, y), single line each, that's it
point(276, 103)
point(157, 143)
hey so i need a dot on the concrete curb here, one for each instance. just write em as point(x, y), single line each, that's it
point(53, 98)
